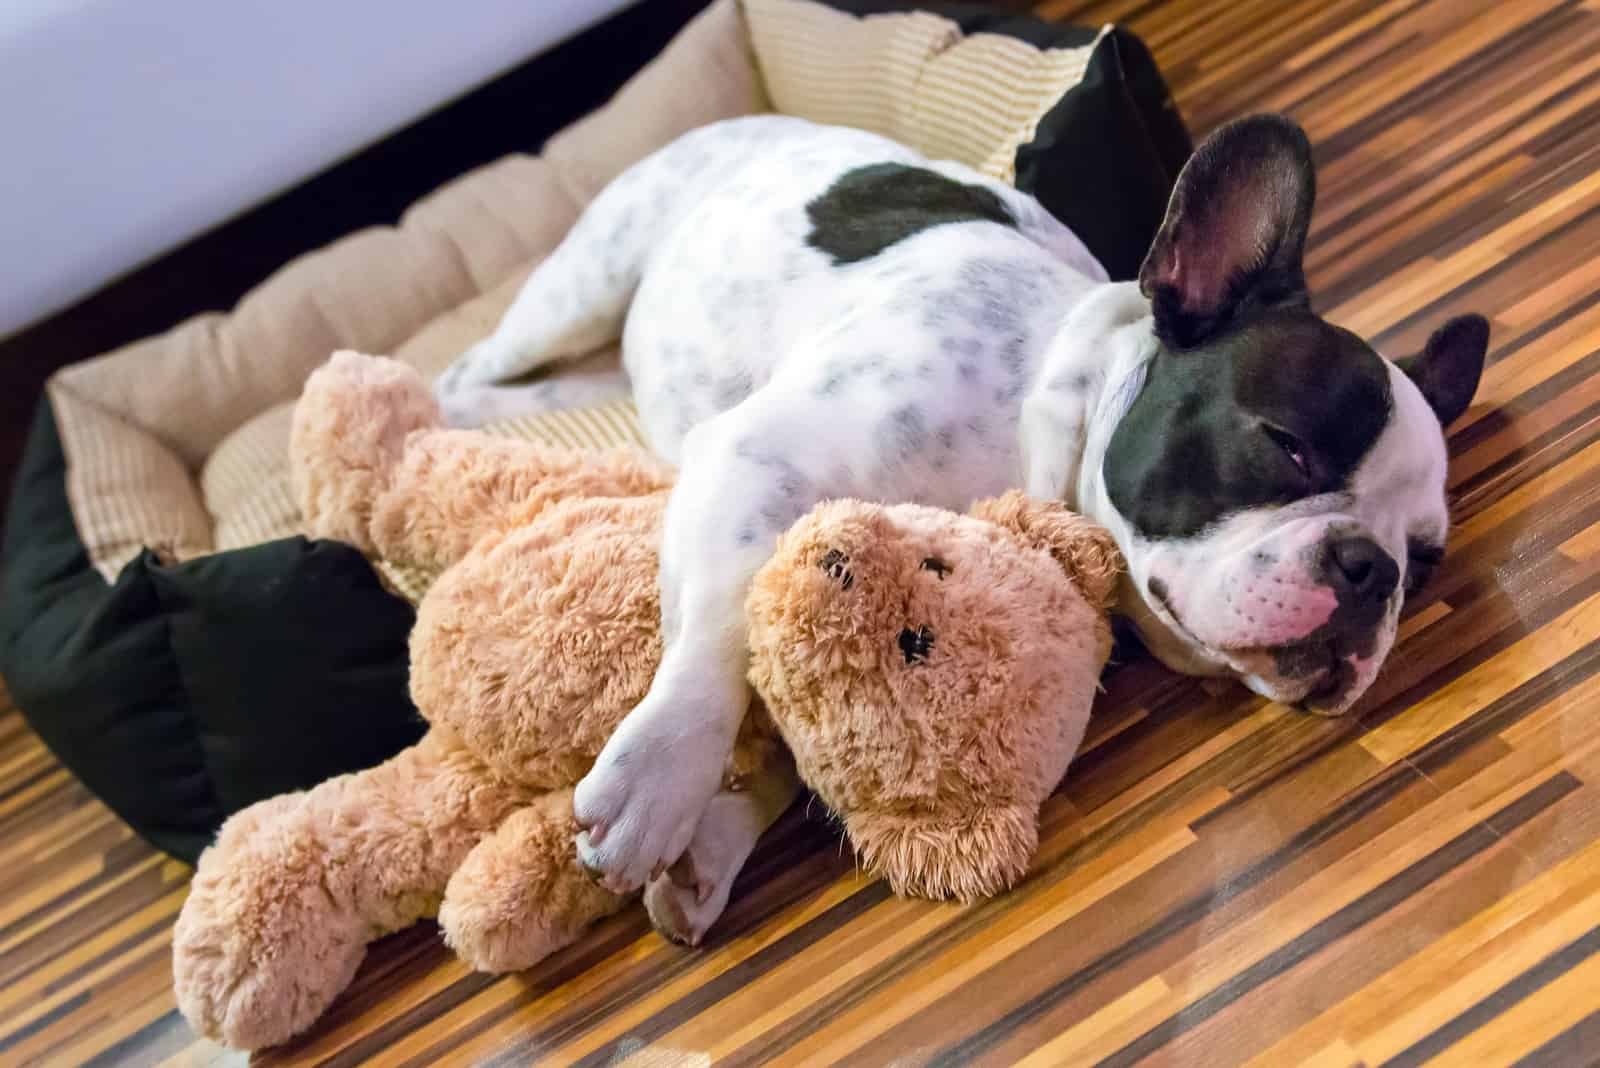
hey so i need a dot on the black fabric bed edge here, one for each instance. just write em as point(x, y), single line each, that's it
point(181, 693)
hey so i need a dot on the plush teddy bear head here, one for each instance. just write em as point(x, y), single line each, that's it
point(932, 673)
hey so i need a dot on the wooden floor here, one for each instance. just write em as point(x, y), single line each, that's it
point(1222, 881)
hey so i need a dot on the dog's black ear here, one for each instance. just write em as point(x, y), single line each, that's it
point(1449, 366)
point(1235, 230)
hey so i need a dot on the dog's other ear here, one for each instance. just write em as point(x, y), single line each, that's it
point(1235, 230)
point(1449, 366)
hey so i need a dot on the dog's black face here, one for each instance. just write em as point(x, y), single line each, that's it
point(1278, 484)
point(1281, 408)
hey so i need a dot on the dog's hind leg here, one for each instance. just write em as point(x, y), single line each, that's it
point(592, 380)
point(686, 900)
point(576, 300)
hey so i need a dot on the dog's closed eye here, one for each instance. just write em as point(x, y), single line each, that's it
point(1292, 448)
point(937, 566)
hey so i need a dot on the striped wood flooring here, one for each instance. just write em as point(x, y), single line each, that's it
point(1222, 881)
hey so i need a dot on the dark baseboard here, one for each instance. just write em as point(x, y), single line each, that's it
point(515, 112)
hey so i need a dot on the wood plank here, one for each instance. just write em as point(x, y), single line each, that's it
point(1221, 881)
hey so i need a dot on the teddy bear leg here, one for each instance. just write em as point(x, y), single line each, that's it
point(691, 895)
point(520, 895)
point(282, 906)
point(259, 949)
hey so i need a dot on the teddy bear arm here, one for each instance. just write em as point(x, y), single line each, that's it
point(350, 427)
point(453, 488)
point(373, 465)
point(520, 894)
point(282, 906)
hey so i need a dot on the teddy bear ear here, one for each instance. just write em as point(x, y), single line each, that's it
point(1083, 548)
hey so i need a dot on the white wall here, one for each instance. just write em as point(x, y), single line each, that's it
point(127, 126)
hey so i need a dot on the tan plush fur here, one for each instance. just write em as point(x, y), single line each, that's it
point(540, 635)
point(938, 764)
point(543, 632)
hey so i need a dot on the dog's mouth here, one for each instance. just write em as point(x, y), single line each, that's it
point(1331, 672)
point(1314, 675)
point(1327, 696)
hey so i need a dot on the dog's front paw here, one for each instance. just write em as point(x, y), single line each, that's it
point(640, 803)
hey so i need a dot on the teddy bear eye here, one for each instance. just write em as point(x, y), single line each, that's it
point(837, 565)
point(936, 565)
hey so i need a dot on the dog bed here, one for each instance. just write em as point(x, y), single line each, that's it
point(164, 628)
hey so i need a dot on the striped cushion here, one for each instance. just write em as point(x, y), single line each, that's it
point(915, 76)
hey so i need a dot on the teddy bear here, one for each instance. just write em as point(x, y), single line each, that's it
point(928, 674)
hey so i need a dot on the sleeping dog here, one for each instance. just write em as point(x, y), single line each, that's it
point(810, 312)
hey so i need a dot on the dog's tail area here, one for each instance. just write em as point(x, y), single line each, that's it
point(349, 432)
point(576, 300)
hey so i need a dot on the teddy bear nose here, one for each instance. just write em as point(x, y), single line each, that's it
point(915, 645)
point(837, 566)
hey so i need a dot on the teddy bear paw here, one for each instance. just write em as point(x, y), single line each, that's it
point(250, 992)
point(519, 895)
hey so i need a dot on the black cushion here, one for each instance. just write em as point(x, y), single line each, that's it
point(1104, 159)
point(182, 693)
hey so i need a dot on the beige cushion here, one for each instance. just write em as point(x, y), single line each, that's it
point(179, 442)
point(244, 484)
point(127, 489)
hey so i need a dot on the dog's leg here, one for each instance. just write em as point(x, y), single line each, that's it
point(593, 380)
point(575, 301)
point(691, 895)
point(747, 475)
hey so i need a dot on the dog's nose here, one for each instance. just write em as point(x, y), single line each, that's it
point(1357, 566)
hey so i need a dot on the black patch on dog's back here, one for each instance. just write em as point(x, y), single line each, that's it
point(872, 207)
